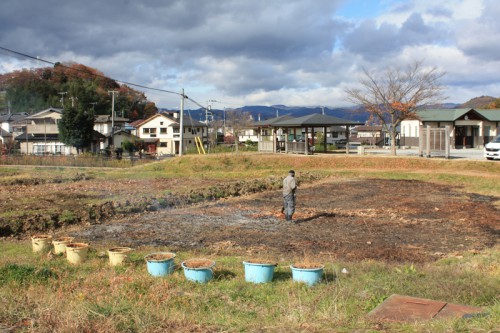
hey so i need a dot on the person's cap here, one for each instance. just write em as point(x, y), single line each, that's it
point(292, 172)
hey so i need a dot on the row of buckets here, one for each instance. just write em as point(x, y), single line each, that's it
point(162, 264)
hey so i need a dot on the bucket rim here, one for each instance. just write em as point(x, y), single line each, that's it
point(212, 264)
point(77, 245)
point(120, 249)
point(256, 263)
point(63, 239)
point(41, 236)
point(172, 254)
point(320, 267)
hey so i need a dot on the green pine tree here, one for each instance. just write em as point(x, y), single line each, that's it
point(76, 127)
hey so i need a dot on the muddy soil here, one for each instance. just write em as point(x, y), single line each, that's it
point(389, 220)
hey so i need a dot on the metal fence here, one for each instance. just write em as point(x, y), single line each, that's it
point(434, 141)
point(71, 160)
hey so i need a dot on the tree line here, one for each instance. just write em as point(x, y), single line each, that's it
point(33, 90)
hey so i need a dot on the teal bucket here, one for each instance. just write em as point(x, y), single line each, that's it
point(258, 272)
point(198, 270)
point(160, 263)
point(309, 276)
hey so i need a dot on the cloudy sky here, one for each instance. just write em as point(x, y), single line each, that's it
point(259, 52)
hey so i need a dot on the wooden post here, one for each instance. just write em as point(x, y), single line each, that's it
point(324, 139)
point(307, 141)
point(421, 141)
point(275, 149)
point(428, 141)
point(347, 139)
point(447, 142)
point(286, 140)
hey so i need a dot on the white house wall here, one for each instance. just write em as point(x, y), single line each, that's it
point(164, 129)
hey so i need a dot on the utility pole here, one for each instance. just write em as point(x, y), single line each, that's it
point(181, 123)
point(73, 101)
point(224, 127)
point(209, 107)
point(112, 92)
point(62, 97)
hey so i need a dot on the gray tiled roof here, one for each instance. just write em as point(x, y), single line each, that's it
point(316, 120)
point(454, 114)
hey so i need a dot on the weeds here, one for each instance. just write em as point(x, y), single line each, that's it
point(96, 297)
point(22, 274)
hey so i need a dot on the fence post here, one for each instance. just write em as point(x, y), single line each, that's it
point(428, 141)
point(420, 141)
point(447, 142)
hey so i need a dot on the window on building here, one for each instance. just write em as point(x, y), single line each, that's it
point(38, 149)
point(163, 144)
point(176, 131)
point(161, 123)
point(149, 130)
point(163, 130)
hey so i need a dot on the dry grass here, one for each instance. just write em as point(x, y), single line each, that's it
point(94, 297)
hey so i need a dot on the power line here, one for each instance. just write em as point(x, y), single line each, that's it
point(94, 74)
point(106, 77)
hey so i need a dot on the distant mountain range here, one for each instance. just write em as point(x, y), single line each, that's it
point(260, 112)
point(269, 112)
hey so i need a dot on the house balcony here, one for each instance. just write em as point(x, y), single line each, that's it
point(43, 129)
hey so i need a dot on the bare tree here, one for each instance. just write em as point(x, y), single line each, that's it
point(238, 121)
point(396, 94)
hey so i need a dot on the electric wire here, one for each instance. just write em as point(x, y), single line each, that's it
point(98, 75)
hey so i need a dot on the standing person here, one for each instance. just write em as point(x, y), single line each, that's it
point(289, 188)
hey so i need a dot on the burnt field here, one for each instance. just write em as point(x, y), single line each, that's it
point(387, 220)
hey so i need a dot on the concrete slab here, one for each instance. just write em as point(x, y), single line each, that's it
point(399, 308)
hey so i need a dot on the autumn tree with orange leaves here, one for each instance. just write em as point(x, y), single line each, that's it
point(396, 94)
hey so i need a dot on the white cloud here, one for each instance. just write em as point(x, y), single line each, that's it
point(257, 52)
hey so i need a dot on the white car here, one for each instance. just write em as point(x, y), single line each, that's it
point(492, 149)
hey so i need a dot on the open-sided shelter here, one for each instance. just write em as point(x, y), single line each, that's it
point(291, 142)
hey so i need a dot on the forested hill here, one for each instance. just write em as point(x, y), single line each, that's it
point(33, 90)
point(482, 102)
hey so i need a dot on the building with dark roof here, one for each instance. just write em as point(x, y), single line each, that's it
point(469, 128)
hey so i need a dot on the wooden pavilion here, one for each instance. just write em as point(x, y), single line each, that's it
point(287, 126)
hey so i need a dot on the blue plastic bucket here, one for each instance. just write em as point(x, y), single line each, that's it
point(198, 274)
point(309, 276)
point(160, 263)
point(258, 272)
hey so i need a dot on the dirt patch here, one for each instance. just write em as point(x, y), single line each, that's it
point(35, 205)
point(391, 220)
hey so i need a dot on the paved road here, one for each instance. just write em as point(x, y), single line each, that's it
point(470, 154)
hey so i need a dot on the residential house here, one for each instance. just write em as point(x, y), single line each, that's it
point(336, 133)
point(106, 125)
point(251, 134)
point(40, 135)
point(8, 128)
point(120, 136)
point(469, 128)
point(369, 134)
point(161, 133)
